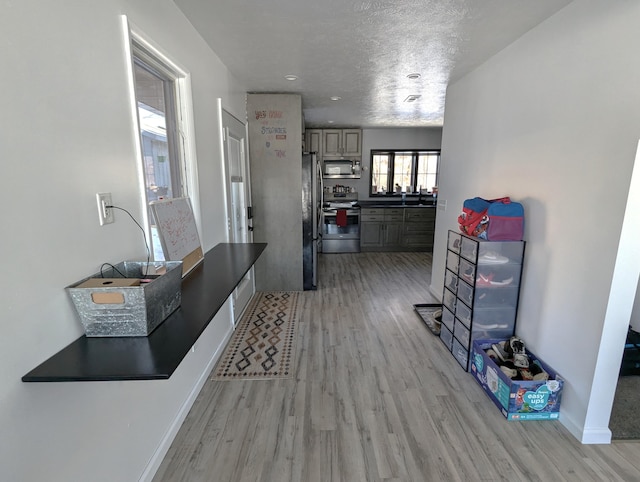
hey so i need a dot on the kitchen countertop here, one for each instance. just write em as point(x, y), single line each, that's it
point(374, 203)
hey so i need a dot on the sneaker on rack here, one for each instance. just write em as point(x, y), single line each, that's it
point(504, 282)
point(501, 353)
point(491, 257)
point(484, 280)
point(520, 358)
point(467, 274)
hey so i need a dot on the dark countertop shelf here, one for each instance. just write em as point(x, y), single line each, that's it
point(204, 291)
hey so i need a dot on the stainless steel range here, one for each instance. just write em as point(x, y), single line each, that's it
point(341, 223)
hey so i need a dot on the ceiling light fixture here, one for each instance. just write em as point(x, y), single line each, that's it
point(412, 98)
point(413, 76)
point(335, 97)
point(291, 77)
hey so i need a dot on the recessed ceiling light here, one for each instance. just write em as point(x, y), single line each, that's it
point(330, 122)
point(291, 77)
point(335, 97)
point(412, 98)
point(413, 76)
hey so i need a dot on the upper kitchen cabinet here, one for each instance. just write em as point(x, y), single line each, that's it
point(341, 142)
point(313, 141)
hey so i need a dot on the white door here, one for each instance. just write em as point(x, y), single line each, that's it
point(238, 199)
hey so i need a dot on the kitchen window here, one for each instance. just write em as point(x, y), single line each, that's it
point(397, 171)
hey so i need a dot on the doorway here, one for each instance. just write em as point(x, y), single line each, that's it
point(238, 187)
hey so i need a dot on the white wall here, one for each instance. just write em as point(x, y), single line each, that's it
point(553, 121)
point(66, 133)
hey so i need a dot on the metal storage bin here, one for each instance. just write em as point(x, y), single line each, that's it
point(128, 299)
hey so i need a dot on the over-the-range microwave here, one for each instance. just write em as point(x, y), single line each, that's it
point(341, 168)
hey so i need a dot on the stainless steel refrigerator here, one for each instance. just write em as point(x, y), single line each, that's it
point(311, 213)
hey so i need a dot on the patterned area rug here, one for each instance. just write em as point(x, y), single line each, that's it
point(263, 345)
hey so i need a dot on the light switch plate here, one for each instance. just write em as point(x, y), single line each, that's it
point(105, 214)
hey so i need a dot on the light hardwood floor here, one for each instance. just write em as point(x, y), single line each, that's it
point(376, 397)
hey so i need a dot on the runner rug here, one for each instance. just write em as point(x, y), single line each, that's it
point(263, 345)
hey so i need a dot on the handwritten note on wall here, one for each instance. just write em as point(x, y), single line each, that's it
point(273, 130)
point(177, 231)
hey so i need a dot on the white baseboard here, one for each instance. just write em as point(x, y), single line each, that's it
point(586, 436)
point(158, 456)
point(597, 436)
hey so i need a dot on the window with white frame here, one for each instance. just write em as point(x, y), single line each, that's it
point(157, 100)
point(409, 171)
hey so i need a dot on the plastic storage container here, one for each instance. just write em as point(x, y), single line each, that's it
point(481, 289)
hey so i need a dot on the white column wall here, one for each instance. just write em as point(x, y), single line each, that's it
point(66, 132)
point(553, 120)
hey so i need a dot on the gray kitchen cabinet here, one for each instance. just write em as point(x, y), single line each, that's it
point(381, 229)
point(342, 143)
point(397, 228)
point(313, 141)
point(419, 228)
point(371, 235)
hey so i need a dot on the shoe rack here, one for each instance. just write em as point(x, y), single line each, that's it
point(481, 292)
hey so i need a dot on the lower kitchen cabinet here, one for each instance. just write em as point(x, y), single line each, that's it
point(419, 228)
point(380, 228)
point(396, 229)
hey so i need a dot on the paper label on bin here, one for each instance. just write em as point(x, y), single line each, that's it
point(107, 298)
point(539, 399)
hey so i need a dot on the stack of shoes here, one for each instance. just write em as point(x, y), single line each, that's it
point(511, 356)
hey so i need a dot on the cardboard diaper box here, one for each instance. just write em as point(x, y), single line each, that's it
point(516, 399)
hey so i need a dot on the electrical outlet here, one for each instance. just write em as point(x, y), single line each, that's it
point(105, 214)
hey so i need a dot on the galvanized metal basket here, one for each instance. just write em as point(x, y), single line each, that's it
point(126, 300)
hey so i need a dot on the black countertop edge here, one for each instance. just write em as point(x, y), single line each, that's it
point(204, 290)
point(374, 203)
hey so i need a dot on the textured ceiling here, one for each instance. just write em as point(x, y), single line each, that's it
point(362, 50)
